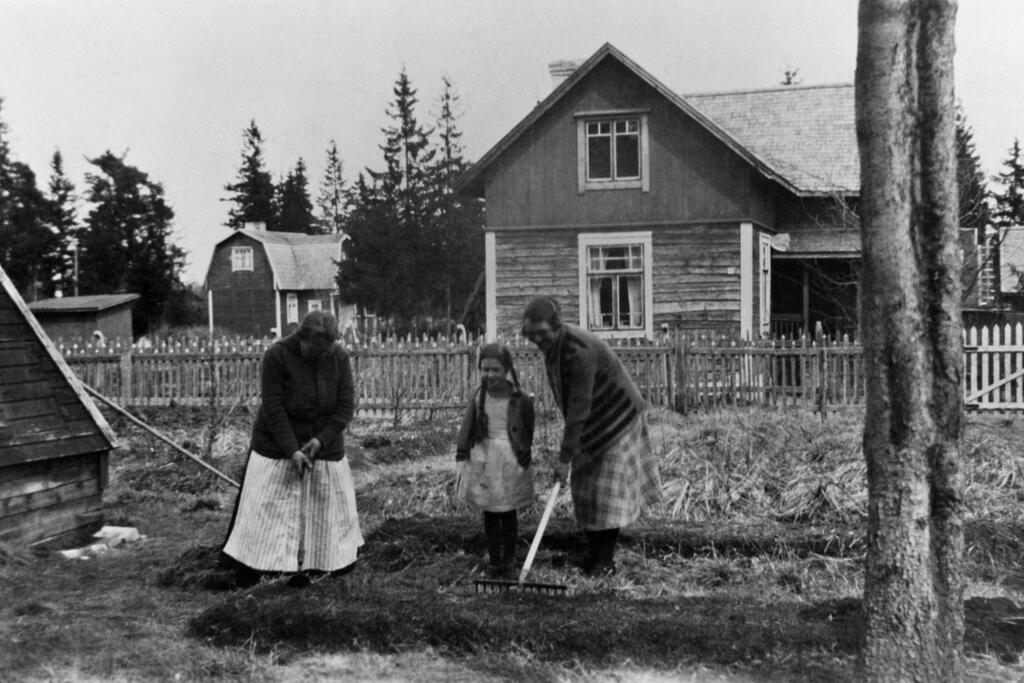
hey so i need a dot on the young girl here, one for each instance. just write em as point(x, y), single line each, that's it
point(494, 452)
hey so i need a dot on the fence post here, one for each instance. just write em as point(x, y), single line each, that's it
point(822, 382)
point(126, 376)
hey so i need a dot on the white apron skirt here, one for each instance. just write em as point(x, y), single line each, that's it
point(492, 479)
point(265, 535)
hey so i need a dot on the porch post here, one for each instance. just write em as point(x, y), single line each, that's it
point(746, 280)
point(806, 295)
point(490, 284)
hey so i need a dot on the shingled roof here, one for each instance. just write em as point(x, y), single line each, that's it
point(300, 261)
point(806, 133)
point(77, 304)
point(801, 137)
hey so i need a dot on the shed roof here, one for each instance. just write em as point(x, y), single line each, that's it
point(46, 412)
point(299, 261)
point(826, 243)
point(77, 304)
point(801, 137)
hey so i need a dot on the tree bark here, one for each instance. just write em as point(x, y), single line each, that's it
point(912, 329)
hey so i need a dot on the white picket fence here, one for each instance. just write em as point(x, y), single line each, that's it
point(994, 367)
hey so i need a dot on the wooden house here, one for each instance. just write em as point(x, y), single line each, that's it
point(641, 209)
point(54, 443)
point(82, 317)
point(264, 282)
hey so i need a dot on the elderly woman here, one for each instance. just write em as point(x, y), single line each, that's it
point(605, 444)
point(296, 511)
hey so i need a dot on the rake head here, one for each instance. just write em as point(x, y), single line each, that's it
point(499, 586)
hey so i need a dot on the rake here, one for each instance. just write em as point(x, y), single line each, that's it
point(503, 586)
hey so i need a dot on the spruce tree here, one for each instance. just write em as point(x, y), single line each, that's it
point(974, 209)
point(332, 202)
point(1008, 211)
point(253, 192)
point(390, 228)
point(458, 222)
point(63, 221)
point(294, 211)
point(126, 245)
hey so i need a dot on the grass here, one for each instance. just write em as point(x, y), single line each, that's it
point(748, 569)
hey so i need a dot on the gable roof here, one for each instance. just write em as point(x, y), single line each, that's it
point(78, 304)
point(297, 260)
point(69, 422)
point(806, 133)
point(766, 139)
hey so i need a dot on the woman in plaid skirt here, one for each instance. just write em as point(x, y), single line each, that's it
point(605, 445)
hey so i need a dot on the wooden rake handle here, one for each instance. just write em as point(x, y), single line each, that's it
point(540, 531)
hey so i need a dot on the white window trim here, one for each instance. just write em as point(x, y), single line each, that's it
point(746, 280)
point(292, 307)
point(593, 239)
point(584, 185)
point(241, 258)
point(765, 289)
point(314, 305)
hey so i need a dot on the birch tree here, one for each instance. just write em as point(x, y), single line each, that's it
point(913, 587)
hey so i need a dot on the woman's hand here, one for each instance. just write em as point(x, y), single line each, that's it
point(312, 448)
point(301, 462)
point(561, 470)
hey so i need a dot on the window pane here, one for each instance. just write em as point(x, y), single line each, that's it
point(601, 303)
point(599, 158)
point(627, 156)
point(630, 301)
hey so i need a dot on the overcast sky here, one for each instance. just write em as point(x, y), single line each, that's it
point(175, 82)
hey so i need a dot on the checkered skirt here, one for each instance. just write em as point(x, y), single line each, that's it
point(265, 535)
point(610, 489)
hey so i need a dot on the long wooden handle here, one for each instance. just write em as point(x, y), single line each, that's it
point(540, 531)
point(303, 507)
point(139, 423)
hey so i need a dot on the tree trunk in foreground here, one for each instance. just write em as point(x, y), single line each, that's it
point(913, 592)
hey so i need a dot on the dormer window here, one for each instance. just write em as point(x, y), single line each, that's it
point(241, 258)
point(613, 151)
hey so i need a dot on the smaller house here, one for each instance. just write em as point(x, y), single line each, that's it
point(54, 442)
point(81, 317)
point(262, 282)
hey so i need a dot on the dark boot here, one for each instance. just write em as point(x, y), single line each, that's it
point(601, 554)
point(492, 529)
point(509, 537)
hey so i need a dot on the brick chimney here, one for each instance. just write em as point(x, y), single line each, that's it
point(562, 69)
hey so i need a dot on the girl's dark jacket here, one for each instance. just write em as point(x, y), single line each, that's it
point(302, 399)
point(520, 426)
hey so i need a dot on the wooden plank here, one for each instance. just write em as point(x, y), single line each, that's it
point(39, 523)
point(13, 454)
point(31, 477)
point(49, 497)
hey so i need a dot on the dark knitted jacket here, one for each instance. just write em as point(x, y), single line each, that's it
point(302, 399)
point(520, 426)
point(597, 397)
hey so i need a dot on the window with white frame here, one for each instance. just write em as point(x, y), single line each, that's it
point(613, 151)
point(765, 284)
point(292, 308)
point(241, 258)
point(314, 305)
point(615, 284)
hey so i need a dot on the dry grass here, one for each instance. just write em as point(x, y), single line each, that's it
point(749, 569)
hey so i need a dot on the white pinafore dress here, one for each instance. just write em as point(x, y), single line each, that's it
point(492, 479)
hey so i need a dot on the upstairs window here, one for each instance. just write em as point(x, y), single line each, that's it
point(241, 258)
point(613, 152)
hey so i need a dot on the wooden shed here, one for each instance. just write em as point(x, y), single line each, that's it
point(54, 442)
point(81, 317)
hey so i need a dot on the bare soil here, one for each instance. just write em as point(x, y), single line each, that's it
point(726, 599)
